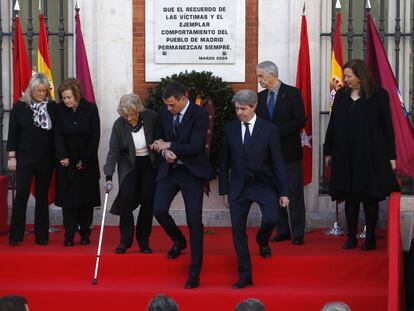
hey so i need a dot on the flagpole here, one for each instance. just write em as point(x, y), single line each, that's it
point(336, 229)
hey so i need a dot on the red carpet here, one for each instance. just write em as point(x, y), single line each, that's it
point(304, 277)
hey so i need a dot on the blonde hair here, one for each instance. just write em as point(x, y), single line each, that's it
point(35, 82)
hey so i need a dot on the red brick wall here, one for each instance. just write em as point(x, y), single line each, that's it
point(138, 53)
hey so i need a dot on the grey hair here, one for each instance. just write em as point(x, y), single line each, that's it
point(130, 102)
point(269, 67)
point(336, 306)
point(35, 82)
point(245, 97)
point(162, 303)
point(251, 304)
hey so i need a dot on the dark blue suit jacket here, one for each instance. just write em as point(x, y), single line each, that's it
point(261, 159)
point(189, 143)
point(289, 116)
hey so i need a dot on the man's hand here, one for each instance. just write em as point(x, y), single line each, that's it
point(160, 145)
point(284, 201)
point(169, 156)
point(393, 164)
point(64, 162)
point(226, 200)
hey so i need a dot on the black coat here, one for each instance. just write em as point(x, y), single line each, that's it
point(121, 151)
point(360, 139)
point(289, 117)
point(77, 136)
point(31, 143)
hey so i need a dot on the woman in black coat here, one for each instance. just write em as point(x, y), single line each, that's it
point(360, 148)
point(31, 154)
point(131, 135)
point(77, 136)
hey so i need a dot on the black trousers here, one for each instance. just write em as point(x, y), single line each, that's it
point(42, 172)
point(74, 218)
point(191, 187)
point(265, 196)
point(352, 215)
point(296, 203)
point(141, 183)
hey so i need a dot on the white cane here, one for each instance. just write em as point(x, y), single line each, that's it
point(108, 188)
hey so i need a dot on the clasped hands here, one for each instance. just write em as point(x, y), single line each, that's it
point(65, 162)
point(162, 146)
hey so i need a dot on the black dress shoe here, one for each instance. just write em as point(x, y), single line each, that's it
point(68, 243)
point(175, 251)
point(41, 242)
point(265, 251)
point(145, 249)
point(192, 282)
point(13, 242)
point(242, 283)
point(350, 243)
point(297, 240)
point(85, 241)
point(121, 249)
point(369, 245)
point(280, 237)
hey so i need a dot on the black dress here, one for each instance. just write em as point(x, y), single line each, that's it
point(360, 139)
point(77, 136)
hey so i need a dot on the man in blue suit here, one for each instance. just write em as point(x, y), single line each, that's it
point(185, 167)
point(251, 152)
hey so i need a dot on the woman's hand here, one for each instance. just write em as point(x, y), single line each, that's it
point(393, 164)
point(12, 164)
point(79, 165)
point(328, 160)
point(64, 162)
point(108, 186)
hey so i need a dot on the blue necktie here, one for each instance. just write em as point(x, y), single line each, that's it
point(176, 123)
point(271, 104)
point(246, 134)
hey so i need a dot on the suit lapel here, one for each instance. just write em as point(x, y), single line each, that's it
point(255, 135)
point(185, 120)
point(281, 99)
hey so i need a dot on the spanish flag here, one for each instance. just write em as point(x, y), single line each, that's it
point(43, 59)
point(43, 66)
point(337, 76)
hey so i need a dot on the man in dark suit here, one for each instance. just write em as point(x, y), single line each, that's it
point(185, 167)
point(282, 105)
point(251, 152)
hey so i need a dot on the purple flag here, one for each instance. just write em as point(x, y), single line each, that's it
point(380, 68)
point(82, 67)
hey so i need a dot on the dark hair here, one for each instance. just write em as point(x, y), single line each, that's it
point(175, 89)
point(360, 69)
point(250, 304)
point(13, 303)
point(73, 85)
